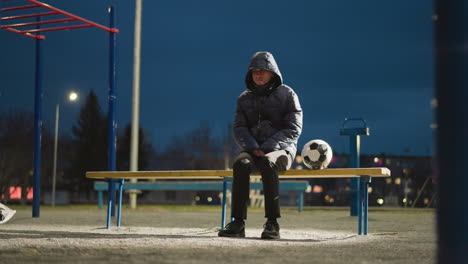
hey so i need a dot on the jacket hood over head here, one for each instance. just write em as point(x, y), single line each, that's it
point(265, 61)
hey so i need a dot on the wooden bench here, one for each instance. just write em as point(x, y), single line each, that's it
point(364, 174)
point(300, 186)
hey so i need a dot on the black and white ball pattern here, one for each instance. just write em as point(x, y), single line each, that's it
point(317, 154)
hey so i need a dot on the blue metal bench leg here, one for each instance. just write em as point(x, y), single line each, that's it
point(359, 208)
point(112, 195)
point(223, 209)
point(119, 208)
point(110, 201)
point(363, 205)
point(99, 195)
point(301, 202)
point(366, 203)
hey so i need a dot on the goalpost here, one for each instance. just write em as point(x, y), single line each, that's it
point(61, 20)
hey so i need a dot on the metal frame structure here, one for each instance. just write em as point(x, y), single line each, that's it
point(61, 20)
point(50, 11)
point(355, 133)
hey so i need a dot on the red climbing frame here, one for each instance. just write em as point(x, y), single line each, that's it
point(44, 10)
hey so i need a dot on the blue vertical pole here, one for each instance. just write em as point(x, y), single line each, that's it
point(100, 199)
point(354, 134)
point(110, 201)
point(223, 209)
point(366, 204)
point(37, 129)
point(119, 211)
point(355, 149)
point(451, 41)
point(112, 124)
point(359, 209)
point(301, 201)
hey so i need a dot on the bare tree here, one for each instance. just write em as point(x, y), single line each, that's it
point(16, 151)
point(198, 149)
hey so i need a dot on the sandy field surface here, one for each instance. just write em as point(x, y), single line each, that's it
point(152, 234)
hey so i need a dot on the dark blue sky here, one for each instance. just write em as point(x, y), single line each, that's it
point(362, 58)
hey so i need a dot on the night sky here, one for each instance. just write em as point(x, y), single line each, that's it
point(345, 59)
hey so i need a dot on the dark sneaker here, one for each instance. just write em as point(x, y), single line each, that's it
point(271, 230)
point(234, 229)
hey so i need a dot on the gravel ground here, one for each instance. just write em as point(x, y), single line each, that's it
point(189, 235)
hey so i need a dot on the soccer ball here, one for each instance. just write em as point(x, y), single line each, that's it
point(317, 154)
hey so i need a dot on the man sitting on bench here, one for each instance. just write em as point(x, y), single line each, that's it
point(267, 125)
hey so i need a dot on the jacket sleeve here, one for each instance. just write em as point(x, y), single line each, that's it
point(292, 127)
point(241, 131)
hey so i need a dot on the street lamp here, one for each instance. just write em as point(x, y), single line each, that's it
point(73, 96)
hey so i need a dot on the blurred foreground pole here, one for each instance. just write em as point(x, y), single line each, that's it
point(451, 43)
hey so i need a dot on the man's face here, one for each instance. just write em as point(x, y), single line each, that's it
point(261, 77)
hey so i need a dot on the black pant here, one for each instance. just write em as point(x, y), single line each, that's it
point(269, 166)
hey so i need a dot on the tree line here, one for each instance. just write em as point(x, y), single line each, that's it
point(86, 150)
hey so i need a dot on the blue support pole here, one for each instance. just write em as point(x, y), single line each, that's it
point(37, 129)
point(119, 211)
point(355, 149)
point(110, 201)
point(112, 124)
point(100, 199)
point(359, 209)
point(301, 201)
point(366, 203)
point(354, 134)
point(223, 208)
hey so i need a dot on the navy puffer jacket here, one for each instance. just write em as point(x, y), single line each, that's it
point(267, 117)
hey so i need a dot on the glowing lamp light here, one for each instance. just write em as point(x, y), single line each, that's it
point(73, 96)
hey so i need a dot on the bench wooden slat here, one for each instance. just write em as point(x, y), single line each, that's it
point(216, 174)
point(197, 186)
